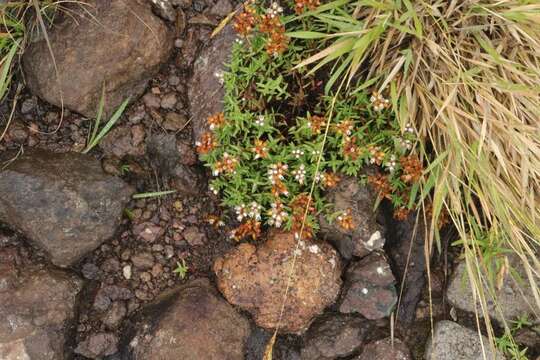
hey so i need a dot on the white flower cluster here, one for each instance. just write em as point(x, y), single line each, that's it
point(391, 165)
point(213, 189)
point(276, 171)
point(260, 120)
point(300, 174)
point(297, 153)
point(252, 210)
point(405, 143)
point(409, 128)
point(277, 215)
point(219, 76)
point(379, 102)
point(274, 10)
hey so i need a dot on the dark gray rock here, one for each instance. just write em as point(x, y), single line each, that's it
point(36, 307)
point(205, 90)
point(452, 341)
point(367, 234)
point(64, 203)
point(334, 337)
point(188, 180)
point(116, 44)
point(161, 148)
point(198, 324)
point(124, 140)
point(514, 299)
point(96, 346)
point(369, 288)
point(385, 349)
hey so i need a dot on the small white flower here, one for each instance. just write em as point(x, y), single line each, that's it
point(260, 120)
point(297, 153)
point(241, 212)
point(318, 177)
point(391, 165)
point(316, 153)
point(300, 174)
point(255, 211)
point(219, 76)
point(239, 41)
point(409, 128)
point(213, 189)
point(365, 291)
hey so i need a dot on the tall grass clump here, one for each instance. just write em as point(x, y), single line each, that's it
point(466, 75)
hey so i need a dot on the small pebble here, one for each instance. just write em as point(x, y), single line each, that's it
point(126, 271)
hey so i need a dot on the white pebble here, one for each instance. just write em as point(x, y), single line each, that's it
point(127, 272)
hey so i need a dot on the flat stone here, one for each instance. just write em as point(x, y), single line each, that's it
point(515, 298)
point(98, 46)
point(194, 324)
point(96, 346)
point(254, 278)
point(369, 288)
point(334, 337)
point(36, 307)
point(63, 203)
point(205, 90)
point(452, 341)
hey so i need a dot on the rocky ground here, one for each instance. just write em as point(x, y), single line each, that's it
point(88, 272)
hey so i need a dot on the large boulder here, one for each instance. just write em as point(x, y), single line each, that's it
point(367, 235)
point(197, 325)
point(452, 341)
point(514, 299)
point(255, 279)
point(64, 203)
point(205, 88)
point(37, 307)
point(369, 288)
point(334, 337)
point(117, 45)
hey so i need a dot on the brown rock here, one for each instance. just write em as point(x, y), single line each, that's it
point(36, 308)
point(255, 280)
point(194, 237)
point(369, 288)
point(205, 88)
point(96, 346)
point(174, 121)
point(385, 349)
point(334, 337)
point(123, 141)
point(197, 325)
point(367, 234)
point(64, 203)
point(98, 45)
point(148, 231)
point(143, 260)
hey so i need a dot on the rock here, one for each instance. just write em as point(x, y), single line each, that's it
point(95, 47)
point(197, 325)
point(113, 317)
point(174, 121)
point(143, 261)
point(122, 141)
point(514, 299)
point(29, 105)
point(405, 245)
point(284, 348)
point(194, 237)
point(369, 288)
point(163, 153)
point(188, 156)
point(90, 271)
point(151, 101)
point(188, 180)
point(452, 341)
point(385, 350)
point(36, 307)
point(367, 234)
point(221, 8)
point(148, 231)
point(126, 271)
point(205, 90)
point(64, 203)
point(255, 279)
point(98, 345)
point(334, 337)
point(169, 101)
point(106, 295)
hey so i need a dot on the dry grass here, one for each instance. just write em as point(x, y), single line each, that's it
point(466, 74)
